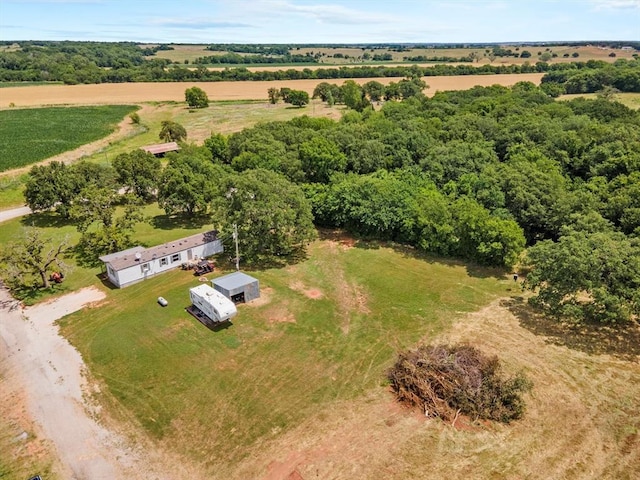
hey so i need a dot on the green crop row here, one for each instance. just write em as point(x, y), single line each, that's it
point(30, 135)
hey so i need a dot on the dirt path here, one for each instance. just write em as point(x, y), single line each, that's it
point(50, 373)
point(14, 213)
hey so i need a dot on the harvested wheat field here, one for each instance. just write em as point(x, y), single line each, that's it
point(125, 93)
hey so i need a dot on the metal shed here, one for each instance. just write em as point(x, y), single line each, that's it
point(238, 287)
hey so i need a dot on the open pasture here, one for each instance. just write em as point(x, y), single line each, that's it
point(120, 93)
point(322, 333)
point(631, 100)
point(296, 383)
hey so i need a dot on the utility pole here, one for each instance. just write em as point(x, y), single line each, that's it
point(235, 237)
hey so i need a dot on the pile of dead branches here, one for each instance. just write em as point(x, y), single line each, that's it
point(446, 380)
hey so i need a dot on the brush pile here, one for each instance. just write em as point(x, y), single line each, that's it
point(445, 380)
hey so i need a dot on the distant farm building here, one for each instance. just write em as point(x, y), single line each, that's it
point(160, 149)
point(139, 263)
point(237, 287)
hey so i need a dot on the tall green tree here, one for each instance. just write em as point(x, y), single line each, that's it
point(29, 261)
point(196, 97)
point(58, 185)
point(354, 96)
point(138, 172)
point(172, 131)
point(299, 98)
point(320, 159)
point(188, 183)
point(586, 276)
point(104, 233)
point(274, 95)
point(273, 216)
point(50, 186)
point(218, 145)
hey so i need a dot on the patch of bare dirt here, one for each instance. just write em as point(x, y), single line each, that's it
point(342, 238)
point(265, 298)
point(280, 314)
point(350, 296)
point(313, 293)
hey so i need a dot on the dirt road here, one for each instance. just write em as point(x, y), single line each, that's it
point(50, 372)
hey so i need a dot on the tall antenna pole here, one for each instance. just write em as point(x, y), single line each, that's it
point(235, 237)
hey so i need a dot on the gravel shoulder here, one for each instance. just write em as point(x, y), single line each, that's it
point(49, 372)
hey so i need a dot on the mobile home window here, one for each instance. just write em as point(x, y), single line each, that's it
point(110, 270)
point(144, 267)
point(163, 261)
point(175, 257)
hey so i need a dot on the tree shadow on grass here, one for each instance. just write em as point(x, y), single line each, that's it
point(620, 341)
point(45, 220)
point(350, 240)
point(169, 222)
point(31, 294)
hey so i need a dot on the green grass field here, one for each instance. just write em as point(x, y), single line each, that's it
point(30, 135)
point(324, 331)
point(631, 100)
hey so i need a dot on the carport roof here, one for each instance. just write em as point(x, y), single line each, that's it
point(234, 280)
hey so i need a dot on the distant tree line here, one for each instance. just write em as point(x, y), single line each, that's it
point(425, 58)
point(236, 59)
point(251, 48)
point(623, 75)
point(95, 62)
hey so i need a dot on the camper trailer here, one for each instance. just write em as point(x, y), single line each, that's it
point(212, 303)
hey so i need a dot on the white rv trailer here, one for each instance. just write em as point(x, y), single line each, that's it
point(212, 303)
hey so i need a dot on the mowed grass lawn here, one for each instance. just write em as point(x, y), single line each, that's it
point(33, 134)
point(323, 331)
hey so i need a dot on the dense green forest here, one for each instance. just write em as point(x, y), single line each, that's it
point(480, 174)
point(96, 62)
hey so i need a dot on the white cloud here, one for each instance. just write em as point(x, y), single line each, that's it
point(322, 13)
point(616, 4)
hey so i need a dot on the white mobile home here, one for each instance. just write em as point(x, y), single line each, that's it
point(212, 303)
point(139, 263)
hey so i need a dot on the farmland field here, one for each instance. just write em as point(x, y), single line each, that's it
point(119, 93)
point(30, 135)
point(193, 51)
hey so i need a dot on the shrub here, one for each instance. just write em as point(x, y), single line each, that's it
point(446, 380)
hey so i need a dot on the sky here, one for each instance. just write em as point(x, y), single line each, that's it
point(321, 21)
